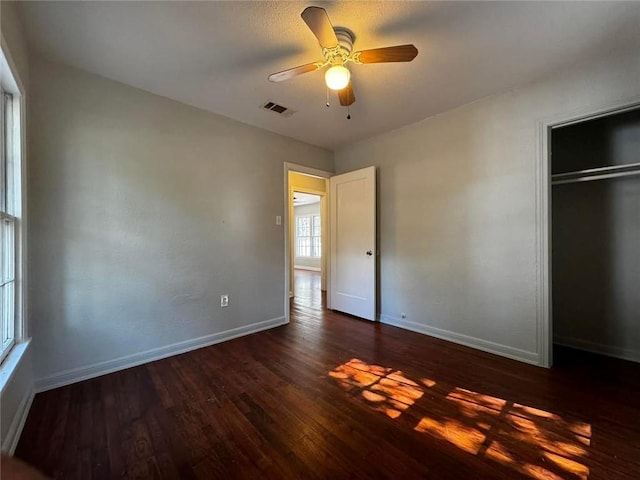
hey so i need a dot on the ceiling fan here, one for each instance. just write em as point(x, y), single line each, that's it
point(337, 46)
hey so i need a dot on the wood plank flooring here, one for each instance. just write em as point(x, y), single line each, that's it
point(333, 397)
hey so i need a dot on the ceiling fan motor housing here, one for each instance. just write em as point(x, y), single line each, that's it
point(345, 41)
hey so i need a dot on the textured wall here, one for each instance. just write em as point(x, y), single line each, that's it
point(457, 207)
point(16, 397)
point(13, 32)
point(143, 212)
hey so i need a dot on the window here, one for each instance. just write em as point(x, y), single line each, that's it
point(308, 236)
point(10, 205)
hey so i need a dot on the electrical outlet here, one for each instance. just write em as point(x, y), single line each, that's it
point(224, 300)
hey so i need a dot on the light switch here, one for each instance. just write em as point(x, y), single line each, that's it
point(278, 220)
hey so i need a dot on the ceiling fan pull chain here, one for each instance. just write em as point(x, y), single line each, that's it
point(348, 113)
point(327, 97)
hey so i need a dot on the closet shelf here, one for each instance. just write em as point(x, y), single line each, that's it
point(596, 174)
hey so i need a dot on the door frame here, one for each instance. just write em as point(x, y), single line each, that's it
point(293, 167)
point(544, 305)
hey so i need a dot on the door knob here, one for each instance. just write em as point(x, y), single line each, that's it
point(369, 252)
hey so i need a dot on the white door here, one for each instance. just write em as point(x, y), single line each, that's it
point(353, 243)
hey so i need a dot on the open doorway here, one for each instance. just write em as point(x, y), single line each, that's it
point(307, 234)
point(307, 248)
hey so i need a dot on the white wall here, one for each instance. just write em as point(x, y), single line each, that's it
point(143, 212)
point(16, 398)
point(457, 208)
point(13, 32)
point(306, 262)
point(16, 376)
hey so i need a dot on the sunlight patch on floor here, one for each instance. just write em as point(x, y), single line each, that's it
point(534, 442)
point(387, 390)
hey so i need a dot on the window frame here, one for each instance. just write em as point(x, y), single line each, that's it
point(8, 282)
point(13, 198)
point(315, 251)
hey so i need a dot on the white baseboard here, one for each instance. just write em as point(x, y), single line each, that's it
point(17, 424)
point(74, 375)
point(610, 350)
point(477, 343)
point(305, 267)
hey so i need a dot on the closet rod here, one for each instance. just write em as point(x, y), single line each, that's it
point(612, 168)
point(586, 178)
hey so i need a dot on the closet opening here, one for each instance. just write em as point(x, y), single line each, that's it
point(595, 238)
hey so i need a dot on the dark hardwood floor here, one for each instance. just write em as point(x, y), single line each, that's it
point(307, 290)
point(329, 396)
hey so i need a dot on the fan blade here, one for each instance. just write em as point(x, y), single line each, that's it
point(294, 72)
point(318, 21)
point(346, 95)
point(399, 53)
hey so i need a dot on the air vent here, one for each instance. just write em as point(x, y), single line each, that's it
point(279, 109)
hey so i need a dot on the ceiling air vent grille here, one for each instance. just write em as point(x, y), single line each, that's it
point(279, 109)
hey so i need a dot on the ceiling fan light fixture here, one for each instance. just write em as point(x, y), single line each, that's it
point(337, 77)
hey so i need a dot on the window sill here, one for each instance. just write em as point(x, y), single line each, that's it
point(11, 362)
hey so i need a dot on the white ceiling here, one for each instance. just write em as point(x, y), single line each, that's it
point(300, 198)
point(217, 55)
